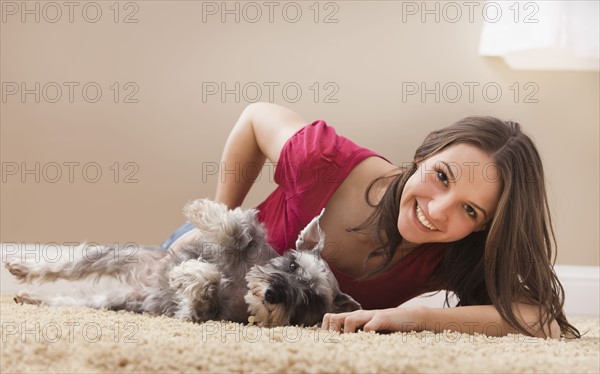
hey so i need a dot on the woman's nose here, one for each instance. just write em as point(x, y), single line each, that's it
point(439, 208)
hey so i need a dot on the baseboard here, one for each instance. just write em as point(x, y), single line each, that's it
point(582, 289)
point(581, 283)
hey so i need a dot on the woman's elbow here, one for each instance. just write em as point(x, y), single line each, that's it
point(551, 330)
point(538, 327)
point(554, 330)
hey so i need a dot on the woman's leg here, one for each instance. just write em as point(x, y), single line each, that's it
point(186, 227)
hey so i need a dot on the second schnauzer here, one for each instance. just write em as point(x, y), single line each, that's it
point(229, 273)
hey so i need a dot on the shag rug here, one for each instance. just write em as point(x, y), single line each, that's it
point(80, 340)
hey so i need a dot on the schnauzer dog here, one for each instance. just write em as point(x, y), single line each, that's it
point(229, 273)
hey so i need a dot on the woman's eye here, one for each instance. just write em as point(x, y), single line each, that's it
point(442, 176)
point(293, 266)
point(471, 211)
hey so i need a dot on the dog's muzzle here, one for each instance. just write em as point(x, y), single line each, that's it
point(274, 295)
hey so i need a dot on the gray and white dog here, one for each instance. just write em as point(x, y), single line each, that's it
point(229, 273)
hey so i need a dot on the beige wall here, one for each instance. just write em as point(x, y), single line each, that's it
point(162, 142)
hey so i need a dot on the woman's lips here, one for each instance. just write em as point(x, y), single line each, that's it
point(418, 223)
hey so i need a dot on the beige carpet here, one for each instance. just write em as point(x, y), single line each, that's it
point(76, 340)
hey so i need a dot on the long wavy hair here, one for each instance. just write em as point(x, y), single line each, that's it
point(512, 258)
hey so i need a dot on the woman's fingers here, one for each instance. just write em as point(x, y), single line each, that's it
point(333, 322)
point(392, 319)
point(377, 323)
point(356, 321)
point(347, 322)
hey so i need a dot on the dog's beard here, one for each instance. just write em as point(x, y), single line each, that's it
point(265, 314)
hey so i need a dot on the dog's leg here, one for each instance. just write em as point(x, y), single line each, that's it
point(114, 300)
point(234, 239)
point(26, 297)
point(35, 298)
point(222, 229)
point(127, 262)
point(196, 286)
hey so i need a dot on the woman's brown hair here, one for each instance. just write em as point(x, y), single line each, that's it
point(512, 258)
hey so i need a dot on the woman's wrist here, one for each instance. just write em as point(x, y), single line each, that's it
point(413, 318)
point(419, 317)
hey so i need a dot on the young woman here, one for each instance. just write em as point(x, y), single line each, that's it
point(469, 215)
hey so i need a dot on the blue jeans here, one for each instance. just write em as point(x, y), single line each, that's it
point(181, 230)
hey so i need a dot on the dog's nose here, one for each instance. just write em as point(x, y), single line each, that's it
point(274, 295)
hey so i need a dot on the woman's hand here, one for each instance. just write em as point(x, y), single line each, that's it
point(481, 319)
point(393, 319)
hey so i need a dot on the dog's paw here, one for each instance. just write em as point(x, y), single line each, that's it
point(205, 213)
point(19, 270)
point(24, 297)
point(195, 278)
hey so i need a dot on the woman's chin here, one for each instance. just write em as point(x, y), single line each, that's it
point(409, 235)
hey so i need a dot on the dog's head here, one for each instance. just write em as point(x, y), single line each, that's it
point(297, 288)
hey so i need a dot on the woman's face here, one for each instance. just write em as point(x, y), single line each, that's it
point(452, 194)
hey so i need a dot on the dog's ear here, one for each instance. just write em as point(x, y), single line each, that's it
point(344, 303)
point(312, 237)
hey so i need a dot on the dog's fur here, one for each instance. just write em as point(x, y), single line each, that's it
point(230, 273)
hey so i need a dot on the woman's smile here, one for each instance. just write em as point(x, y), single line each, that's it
point(421, 221)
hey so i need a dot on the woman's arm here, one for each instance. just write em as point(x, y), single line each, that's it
point(483, 319)
point(259, 134)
